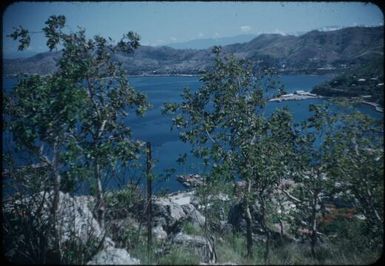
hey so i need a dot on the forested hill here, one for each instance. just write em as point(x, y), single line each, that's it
point(366, 81)
point(312, 52)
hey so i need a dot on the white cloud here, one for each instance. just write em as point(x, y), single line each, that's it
point(200, 34)
point(245, 28)
point(216, 35)
point(330, 28)
point(277, 31)
point(158, 42)
point(173, 39)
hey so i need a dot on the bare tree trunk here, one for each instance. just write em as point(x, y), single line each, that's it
point(55, 202)
point(280, 230)
point(280, 222)
point(56, 186)
point(314, 224)
point(99, 196)
point(149, 202)
point(249, 236)
point(265, 229)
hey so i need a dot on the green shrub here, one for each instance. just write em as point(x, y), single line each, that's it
point(123, 202)
point(191, 229)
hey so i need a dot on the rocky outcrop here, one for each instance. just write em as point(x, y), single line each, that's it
point(190, 180)
point(75, 225)
point(201, 246)
point(169, 212)
point(74, 216)
point(113, 256)
point(159, 233)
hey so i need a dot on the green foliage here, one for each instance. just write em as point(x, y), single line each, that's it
point(179, 256)
point(80, 110)
point(339, 252)
point(339, 160)
point(71, 124)
point(356, 163)
point(53, 30)
point(77, 253)
point(224, 123)
point(23, 35)
point(123, 202)
point(191, 229)
point(130, 237)
point(231, 248)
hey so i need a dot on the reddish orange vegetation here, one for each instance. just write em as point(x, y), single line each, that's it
point(335, 213)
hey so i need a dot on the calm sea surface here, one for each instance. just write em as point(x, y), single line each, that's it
point(155, 127)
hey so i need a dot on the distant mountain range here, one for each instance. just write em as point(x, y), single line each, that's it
point(311, 52)
point(209, 42)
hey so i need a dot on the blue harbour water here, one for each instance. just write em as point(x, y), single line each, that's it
point(166, 146)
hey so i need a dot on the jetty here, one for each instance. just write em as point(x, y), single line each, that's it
point(297, 95)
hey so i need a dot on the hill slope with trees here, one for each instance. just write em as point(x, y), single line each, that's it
point(366, 81)
point(313, 52)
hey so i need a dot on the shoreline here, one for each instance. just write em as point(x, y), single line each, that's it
point(376, 106)
point(303, 95)
point(296, 96)
point(164, 75)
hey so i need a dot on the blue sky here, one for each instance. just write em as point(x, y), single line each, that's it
point(160, 23)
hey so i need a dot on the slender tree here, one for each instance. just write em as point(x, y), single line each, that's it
point(42, 114)
point(224, 121)
point(312, 184)
point(84, 104)
point(356, 167)
point(338, 155)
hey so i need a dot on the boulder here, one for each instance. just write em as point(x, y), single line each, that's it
point(159, 233)
point(170, 211)
point(190, 180)
point(193, 215)
point(201, 246)
point(113, 256)
point(74, 219)
point(75, 225)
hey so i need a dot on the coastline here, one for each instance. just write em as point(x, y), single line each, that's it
point(297, 95)
point(376, 106)
point(163, 75)
point(303, 95)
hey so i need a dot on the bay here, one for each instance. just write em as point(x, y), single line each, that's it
point(155, 127)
